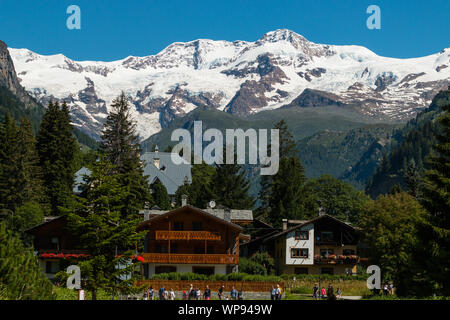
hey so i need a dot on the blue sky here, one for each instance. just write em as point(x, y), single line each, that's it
point(112, 30)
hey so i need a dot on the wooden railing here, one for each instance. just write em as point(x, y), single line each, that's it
point(180, 285)
point(186, 235)
point(190, 258)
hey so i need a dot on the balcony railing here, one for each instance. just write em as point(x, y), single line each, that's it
point(186, 235)
point(336, 259)
point(190, 258)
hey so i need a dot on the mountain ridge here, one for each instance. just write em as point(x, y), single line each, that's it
point(239, 77)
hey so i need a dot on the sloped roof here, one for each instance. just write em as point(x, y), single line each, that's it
point(191, 208)
point(170, 174)
point(236, 215)
point(79, 175)
point(308, 222)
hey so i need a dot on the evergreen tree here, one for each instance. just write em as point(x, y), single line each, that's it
point(21, 277)
point(230, 188)
point(33, 189)
point(12, 179)
point(160, 195)
point(287, 192)
point(282, 194)
point(436, 199)
point(56, 148)
point(413, 180)
point(109, 238)
point(120, 145)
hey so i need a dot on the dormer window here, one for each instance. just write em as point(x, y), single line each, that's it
point(301, 235)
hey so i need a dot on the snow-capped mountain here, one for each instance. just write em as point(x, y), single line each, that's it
point(237, 77)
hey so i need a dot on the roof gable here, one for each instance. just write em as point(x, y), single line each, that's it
point(192, 209)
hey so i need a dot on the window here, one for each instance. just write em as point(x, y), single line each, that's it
point(326, 252)
point(301, 235)
point(299, 253)
point(178, 226)
point(300, 270)
point(327, 236)
point(197, 226)
point(203, 270)
point(326, 271)
point(51, 267)
point(199, 250)
point(210, 249)
point(160, 248)
point(173, 248)
point(165, 269)
point(348, 252)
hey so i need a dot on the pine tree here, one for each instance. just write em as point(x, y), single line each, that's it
point(21, 277)
point(160, 195)
point(230, 188)
point(109, 238)
point(413, 180)
point(56, 148)
point(287, 191)
point(11, 177)
point(283, 194)
point(120, 145)
point(436, 199)
point(33, 189)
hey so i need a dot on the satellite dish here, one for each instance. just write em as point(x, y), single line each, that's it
point(212, 203)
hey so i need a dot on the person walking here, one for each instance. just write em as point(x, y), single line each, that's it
point(339, 293)
point(171, 294)
point(192, 294)
point(240, 294)
point(207, 293)
point(315, 291)
point(233, 293)
point(330, 293)
point(272, 293)
point(151, 293)
point(198, 294)
point(323, 293)
point(161, 292)
point(184, 295)
point(220, 293)
point(278, 293)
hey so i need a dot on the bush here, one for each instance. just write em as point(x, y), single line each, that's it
point(249, 266)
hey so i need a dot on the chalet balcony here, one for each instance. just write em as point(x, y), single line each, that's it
point(336, 259)
point(186, 235)
point(190, 258)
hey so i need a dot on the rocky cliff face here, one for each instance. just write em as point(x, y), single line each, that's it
point(282, 68)
point(8, 76)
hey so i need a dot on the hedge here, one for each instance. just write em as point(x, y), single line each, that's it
point(250, 277)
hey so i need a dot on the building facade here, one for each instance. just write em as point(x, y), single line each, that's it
point(190, 239)
point(324, 245)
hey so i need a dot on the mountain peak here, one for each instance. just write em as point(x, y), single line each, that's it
point(282, 35)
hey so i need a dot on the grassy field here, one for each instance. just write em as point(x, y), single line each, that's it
point(348, 287)
point(63, 293)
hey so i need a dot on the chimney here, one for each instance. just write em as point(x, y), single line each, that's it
point(321, 211)
point(183, 200)
point(156, 157)
point(285, 222)
point(227, 214)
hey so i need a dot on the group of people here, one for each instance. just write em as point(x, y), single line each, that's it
point(326, 294)
point(194, 294)
point(164, 294)
point(388, 289)
point(276, 293)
